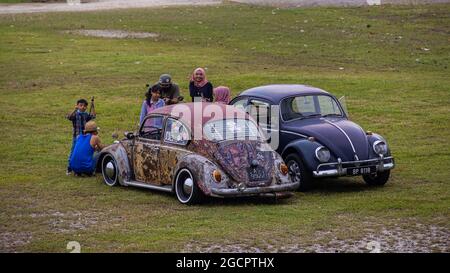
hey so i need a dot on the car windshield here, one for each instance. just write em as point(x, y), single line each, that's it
point(310, 106)
point(231, 129)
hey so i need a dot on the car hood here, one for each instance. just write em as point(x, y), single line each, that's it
point(237, 157)
point(344, 138)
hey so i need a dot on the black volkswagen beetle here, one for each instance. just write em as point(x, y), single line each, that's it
point(315, 136)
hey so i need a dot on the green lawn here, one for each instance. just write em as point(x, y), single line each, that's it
point(391, 62)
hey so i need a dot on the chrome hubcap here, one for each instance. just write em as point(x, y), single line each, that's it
point(184, 186)
point(187, 186)
point(110, 170)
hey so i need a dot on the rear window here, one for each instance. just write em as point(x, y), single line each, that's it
point(231, 129)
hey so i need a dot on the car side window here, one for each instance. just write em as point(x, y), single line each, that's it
point(304, 105)
point(152, 127)
point(176, 132)
point(241, 104)
point(328, 106)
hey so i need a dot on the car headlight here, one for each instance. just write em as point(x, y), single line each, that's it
point(379, 147)
point(322, 154)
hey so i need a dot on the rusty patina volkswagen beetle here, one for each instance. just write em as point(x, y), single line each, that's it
point(228, 158)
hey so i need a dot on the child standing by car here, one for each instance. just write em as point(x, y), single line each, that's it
point(152, 101)
point(79, 117)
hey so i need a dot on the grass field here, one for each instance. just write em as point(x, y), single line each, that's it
point(391, 62)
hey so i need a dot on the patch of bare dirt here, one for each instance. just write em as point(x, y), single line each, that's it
point(421, 238)
point(334, 3)
point(54, 222)
point(67, 222)
point(418, 238)
point(115, 34)
point(11, 241)
point(226, 247)
point(74, 6)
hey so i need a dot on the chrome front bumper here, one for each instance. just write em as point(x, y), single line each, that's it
point(340, 170)
point(254, 190)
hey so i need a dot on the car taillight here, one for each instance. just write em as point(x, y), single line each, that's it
point(284, 169)
point(217, 176)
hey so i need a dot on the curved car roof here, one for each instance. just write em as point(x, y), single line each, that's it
point(187, 112)
point(276, 92)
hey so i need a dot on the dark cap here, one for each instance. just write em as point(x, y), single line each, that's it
point(165, 80)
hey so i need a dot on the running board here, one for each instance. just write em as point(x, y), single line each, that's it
point(148, 186)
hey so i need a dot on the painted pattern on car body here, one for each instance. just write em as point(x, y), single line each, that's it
point(157, 162)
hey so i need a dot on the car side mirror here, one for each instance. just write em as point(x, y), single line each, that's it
point(129, 135)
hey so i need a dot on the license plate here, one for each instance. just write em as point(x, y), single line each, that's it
point(257, 174)
point(361, 170)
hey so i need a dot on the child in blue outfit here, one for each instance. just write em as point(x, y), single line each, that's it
point(79, 117)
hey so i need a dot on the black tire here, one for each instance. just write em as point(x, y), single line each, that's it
point(298, 172)
point(186, 188)
point(110, 171)
point(377, 179)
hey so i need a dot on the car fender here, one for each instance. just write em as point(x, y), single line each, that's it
point(374, 137)
point(305, 149)
point(120, 155)
point(201, 168)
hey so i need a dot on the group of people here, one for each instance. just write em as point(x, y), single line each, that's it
point(85, 140)
point(166, 92)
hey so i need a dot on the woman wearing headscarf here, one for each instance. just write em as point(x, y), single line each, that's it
point(200, 87)
point(222, 94)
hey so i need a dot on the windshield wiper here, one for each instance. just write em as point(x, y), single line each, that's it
point(312, 115)
point(332, 115)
